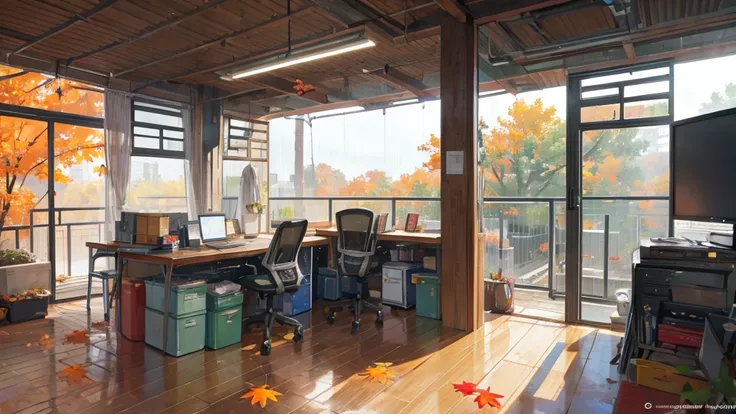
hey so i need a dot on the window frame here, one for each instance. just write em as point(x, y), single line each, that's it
point(160, 152)
point(249, 139)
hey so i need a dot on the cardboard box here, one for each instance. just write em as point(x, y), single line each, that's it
point(430, 262)
point(141, 224)
point(665, 377)
point(158, 226)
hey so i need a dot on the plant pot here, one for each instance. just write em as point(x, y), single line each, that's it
point(18, 278)
point(499, 295)
point(27, 310)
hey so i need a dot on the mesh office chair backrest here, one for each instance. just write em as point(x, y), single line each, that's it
point(355, 240)
point(280, 258)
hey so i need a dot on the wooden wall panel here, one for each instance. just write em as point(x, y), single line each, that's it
point(458, 91)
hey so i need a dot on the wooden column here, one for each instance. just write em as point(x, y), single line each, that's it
point(461, 306)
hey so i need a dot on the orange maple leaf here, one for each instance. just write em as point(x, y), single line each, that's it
point(467, 388)
point(76, 337)
point(61, 278)
point(74, 374)
point(259, 395)
point(101, 325)
point(486, 397)
point(46, 341)
point(379, 371)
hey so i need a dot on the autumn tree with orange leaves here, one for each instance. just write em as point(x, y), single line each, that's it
point(24, 142)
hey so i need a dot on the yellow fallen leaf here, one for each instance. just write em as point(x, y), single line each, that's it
point(379, 371)
point(74, 374)
point(289, 336)
point(259, 395)
point(249, 347)
point(46, 341)
point(61, 278)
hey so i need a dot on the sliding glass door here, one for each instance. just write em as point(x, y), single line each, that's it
point(618, 143)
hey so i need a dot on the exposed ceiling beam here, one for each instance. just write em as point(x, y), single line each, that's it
point(484, 11)
point(67, 24)
point(373, 12)
point(508, 86)
point(454, 8)
point(241, 94)
point(417, 35)
point(287, 87)
point(400, 80)
point(155, 29)
point(5, 31)
point(275, 21)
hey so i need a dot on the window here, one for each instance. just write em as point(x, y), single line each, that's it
point(246, 139)
point(157, 165)
point(157, 130)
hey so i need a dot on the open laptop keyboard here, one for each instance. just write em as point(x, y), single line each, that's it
point(225, 245)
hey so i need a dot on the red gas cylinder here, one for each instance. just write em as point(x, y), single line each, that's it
point(133, 310)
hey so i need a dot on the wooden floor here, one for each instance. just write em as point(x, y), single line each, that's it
point(538, 366)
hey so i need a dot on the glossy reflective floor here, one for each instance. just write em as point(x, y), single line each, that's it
point(538, 366)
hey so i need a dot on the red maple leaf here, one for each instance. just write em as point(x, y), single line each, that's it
point(486, 397)
point(467, 388)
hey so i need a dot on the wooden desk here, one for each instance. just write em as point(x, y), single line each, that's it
point(396, 236)
point(184, 257)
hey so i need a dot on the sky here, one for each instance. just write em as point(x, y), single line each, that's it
point(358, 142)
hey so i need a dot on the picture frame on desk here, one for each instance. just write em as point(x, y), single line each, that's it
point(412, 221)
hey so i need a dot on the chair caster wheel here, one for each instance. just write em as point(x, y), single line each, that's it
point(355, 326)
point(266, 348)
point(379, 319)
point(331, 318)
point(298, 334)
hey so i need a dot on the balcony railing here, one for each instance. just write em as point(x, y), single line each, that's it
point(525, 237)
point(71, 235)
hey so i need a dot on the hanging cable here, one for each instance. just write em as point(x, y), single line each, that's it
point(288, 25)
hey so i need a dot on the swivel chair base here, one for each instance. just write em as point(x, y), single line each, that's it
point(267, 318)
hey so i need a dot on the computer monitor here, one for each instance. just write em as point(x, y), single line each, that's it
point(703, 168)
point(212, 227)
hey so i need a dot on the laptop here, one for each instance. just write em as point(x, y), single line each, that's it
point(213, 231)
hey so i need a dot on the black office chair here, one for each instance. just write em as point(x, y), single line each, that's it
point(356, 245)
point(280, 274)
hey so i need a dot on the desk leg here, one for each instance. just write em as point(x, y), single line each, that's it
point(332, 253)
point(167, 291)
point(118, 311)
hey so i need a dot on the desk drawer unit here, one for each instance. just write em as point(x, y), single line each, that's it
point(186, 297)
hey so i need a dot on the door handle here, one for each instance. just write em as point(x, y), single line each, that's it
point(572, 199)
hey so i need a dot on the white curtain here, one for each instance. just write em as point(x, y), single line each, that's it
point(192, 165)
point(118, 143)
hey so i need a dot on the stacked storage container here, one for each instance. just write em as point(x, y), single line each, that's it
point(186, 330)
point(301, 300)
point(224, 319)
point(397, 287)
point(428, 295)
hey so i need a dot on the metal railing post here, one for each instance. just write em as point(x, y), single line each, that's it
point(551, 250)
point(31, 229)
point(68, 249)
point(329, 209)
point(393, 211)
point(500, 242)
point(606, 220)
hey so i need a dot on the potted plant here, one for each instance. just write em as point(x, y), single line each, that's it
point(499, 294)
point(27, 305)
point(20, 271)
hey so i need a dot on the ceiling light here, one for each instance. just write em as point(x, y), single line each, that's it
point(339, 111)
point(500, 63)
point(406, 101)
point(307, 54)
point(491, 93)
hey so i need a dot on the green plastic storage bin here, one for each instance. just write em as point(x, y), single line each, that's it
point(218, 303)
point(186, 333)
point(428, 295)
point(224, 327)
point(186, 297)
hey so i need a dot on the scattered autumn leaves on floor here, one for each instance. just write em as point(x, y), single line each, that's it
point(46, 341)
point(260, 395)
point(73, 374)
point(379, 371)
point(484, 397)
point(79, 336)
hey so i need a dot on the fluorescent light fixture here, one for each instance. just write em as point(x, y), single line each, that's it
point(303, 55)
point(406, 101)
point(500, 63)
point(337, 111)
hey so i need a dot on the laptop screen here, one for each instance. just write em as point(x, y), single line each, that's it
point(212, 228)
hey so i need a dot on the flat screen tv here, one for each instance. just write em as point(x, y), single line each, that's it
point(703, 168)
